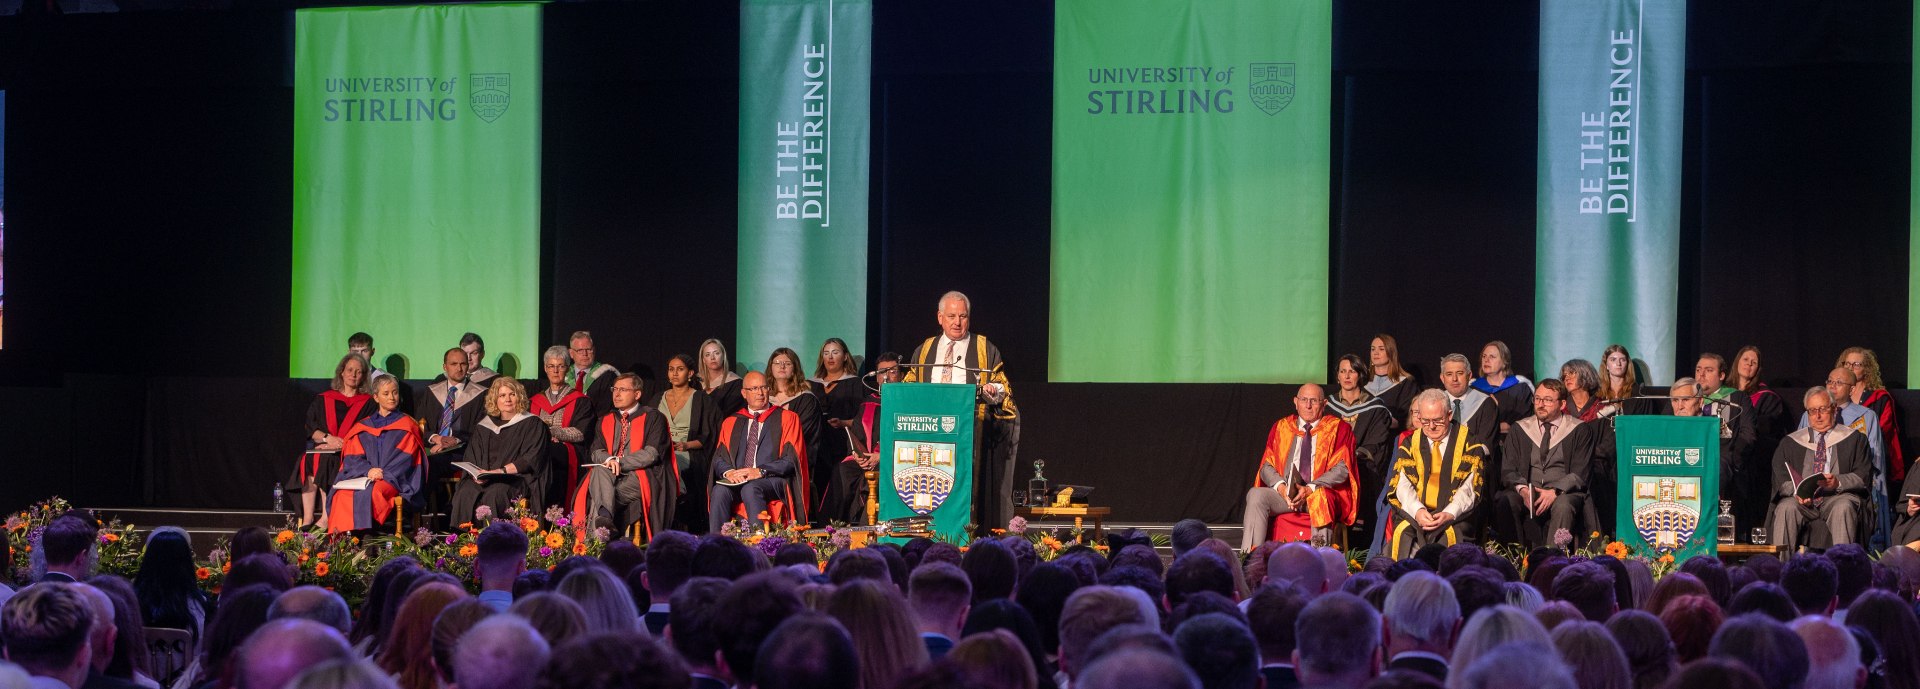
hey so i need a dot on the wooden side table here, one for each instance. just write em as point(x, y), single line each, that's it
point(1079, 513)
point(1736, 553)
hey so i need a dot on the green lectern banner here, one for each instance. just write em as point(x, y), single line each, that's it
point(926, 455)
point(1669, 484)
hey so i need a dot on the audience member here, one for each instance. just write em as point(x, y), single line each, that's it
point(452, 623)
point(1476, 589)
point(1139, 669)
point(1766, 599)
point(1203, 571)
point(1494, 627)
point(1514, 665)
point(1671, 586)
point(313, 603)
point(604, 599)
point(884, 634)
point(1833, 657)
point(1591, 655)
point(994, 660)
point(753, 606)
point(1007, 616)
point(1421, 618)
point(1220, 650)
point(1188, 534)
point(282, 649)
point(499, 652)
point(1337, 642)
point(941, 597)
point(1645, 643)
point(695, 607)
point(411, 642)
point(557, 618)
point(1588, 586)
point(1715, 672)
point(44, 628)
point(1691, 621)
point(1890, 621)
point(1813, 583)
point(1090, 611)
point(1766, 646)
point(614, 660)
point(1556, 613)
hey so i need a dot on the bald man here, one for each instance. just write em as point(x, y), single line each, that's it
point(501, 652)
point(756, 455)
point(101, 637)
point(281, 649)
point(1307, 467)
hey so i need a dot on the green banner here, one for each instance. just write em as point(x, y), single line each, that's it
point(416, 183)
point(1669, 484)
point(1190, 190)
point(1612, 88)
point(926, 455)
point(805, 67)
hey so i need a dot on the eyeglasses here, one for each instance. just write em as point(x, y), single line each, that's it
point(757, 388)
point(1819, 410)
point(626, 390)
point(1432, 423)
point(1309, 400)
point(580, 350)
point(1836, 381)
point(1855, 364)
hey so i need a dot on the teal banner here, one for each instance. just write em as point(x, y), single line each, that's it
point(926, 455)
point(1669, 484)
point(1612, 89)
point(805, 69)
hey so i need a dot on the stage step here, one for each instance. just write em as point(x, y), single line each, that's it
point(204, 528)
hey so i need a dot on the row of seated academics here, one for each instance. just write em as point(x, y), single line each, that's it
point(1499, 458)
point(592, 444)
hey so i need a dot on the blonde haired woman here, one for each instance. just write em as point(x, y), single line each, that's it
point(506, 449)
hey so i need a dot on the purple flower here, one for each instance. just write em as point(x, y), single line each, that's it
point(482, 513)
point(545, 551)
point(440, 563)
point(842, 540)
point(563, 521)
point(1017, 525)
point(451, 539)
point(771, 545)
point(423, 537)
point(1561, 537)
point(729, 530)
point(600, 533)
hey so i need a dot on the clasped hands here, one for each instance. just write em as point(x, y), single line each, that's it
point(1429, 521)
point(1541, 498)
point(746, 474)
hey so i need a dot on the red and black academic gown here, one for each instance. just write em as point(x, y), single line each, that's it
point(839, 399)
point(596, 382)
point(779, 449)
point(815, 466)
point(659, 483)
point(334, 413)
point(847, 497)
point(563, 459)
point(390, 443)
point(1881, 402)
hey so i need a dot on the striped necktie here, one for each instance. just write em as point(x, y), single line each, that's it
point(446, 410)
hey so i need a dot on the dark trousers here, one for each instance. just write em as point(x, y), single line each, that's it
point(756, 494)
point(1517, 522)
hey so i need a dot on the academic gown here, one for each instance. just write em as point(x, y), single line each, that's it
point(806, 407)
point(1906, 527)
point(497, 443)
point(1397, 396)
point(703, 423)
point(1514, 395)
point(647, 490)
point(1560, 460)
point(334, 413)
point(469, 406)
point(1847, 459)
point(596, 382)
point(996, 428)
point(561, 459)
point(727, 398)
point(1436, 483)
point(847, 496)
point(392, 444)
point(1881, 402)
point(777, 455)
point(839, 399)
point(1372, 425)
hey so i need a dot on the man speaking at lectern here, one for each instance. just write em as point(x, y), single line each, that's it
point(957, 355)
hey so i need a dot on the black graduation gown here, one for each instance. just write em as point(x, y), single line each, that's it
point(1373, 434)
point(343, 411)
point(839, 399)
point(808, 407)
point(495, 444)
point(703, 425)
point(1906, 527)
point(727, 398)
point(1397, 398)
point(469, 407)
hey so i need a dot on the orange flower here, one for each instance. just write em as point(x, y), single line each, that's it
point(466, 526)
point(1666, 559)
point(823, 568)
point(556, 539)
point(1617, 549)
point(323, 556)
point(203, 574)
point(469, 550)
point(226, 567)
point(320, 570)
point(763, 516)
point(284, 536)
point(997, 532)
point(304, 558)
point(111, 537)
point(579, 548)
point(529, 524)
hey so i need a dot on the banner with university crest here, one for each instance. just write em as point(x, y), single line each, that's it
point(926, 455)
point(416, 177)
point(1669, 497)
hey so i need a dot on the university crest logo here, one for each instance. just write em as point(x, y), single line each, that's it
point(1666, 510)
point(923, 475)
point(1271, 84)
point(947, 424)
point(488, 94)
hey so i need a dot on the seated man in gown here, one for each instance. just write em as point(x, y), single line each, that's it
point(384, 448)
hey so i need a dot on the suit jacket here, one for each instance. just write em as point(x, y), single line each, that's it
point(96, 680)
point(937, 645)
point(1280, 677)
point(1332, 446)
point(1427, 666)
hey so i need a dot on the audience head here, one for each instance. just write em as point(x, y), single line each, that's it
point(1090, 611)
point(754, 605)
point(1516, 594)
point(990, 566)
point(1513, 665)
point(1496, 626)
point(452, 623)
point(1337, 641)
point(726, 558)
point(1645, 643)
point(68, 545)
point(1812, 582)
point(1766, 599)
point(1833, 656)
point(1853, 571)
point(498, 652)
point(810, 651)
point(1220, 650)
point(669, 562)
point(614, 660)
point(1400, 568)
point(1588, 586)
point(1297, 563)
point(558, 618)
point(241, 611)
point(1460, 555)
point(266, 569)
point(1772, 650)
point(1271, 616)
point(690, 620)
point(1890, 621)
point(863, 563)
point(1691, 621)
point(1044, 594)
point(349, 673)
point(1421, 614)
point(130, 653)
point(1592, 655)
point(1766, 567)
point(798, 553)
point(282, 649)
point(1203, 603)
point(1138, 669)
point(994, 660)
point(1188, 534)
point(410, 641)
point(1640, 577)
point(604, 598)
point(503, 554)
point(1712, 573)
point(1556, 613)
point(313, 603)
point(250, 540)
point(44, 628)
point(941, 597)
point(1476, 589)
point(884, 634)
point(1007, 616)
point(372, 621)
point(1137, 578)
point(1203, 571)
point(1715, 672)
point(1129, 637)
point(1672, 586)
